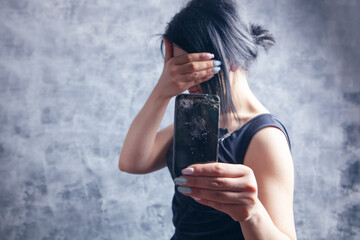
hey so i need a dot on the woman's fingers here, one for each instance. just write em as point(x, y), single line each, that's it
point(199, 66)
point(227, 197)
point(192, 57)
point(230, 188)
point(182, 72)
point(195, 67)
point(217, 170)
point(199, 76)
point(240, 184)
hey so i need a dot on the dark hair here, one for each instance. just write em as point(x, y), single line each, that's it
point(219, 27)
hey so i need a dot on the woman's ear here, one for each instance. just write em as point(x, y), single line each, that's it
point(168, 49)
point(232, 67)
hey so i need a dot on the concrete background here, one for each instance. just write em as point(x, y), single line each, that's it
point(74, 73)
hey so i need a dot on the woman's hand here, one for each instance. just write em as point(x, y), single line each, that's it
point(230, 188)
point(184, 71)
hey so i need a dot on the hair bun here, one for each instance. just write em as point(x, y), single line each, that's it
point(262, 36)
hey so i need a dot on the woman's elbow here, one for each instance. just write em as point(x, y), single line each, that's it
point(124, 166)
point(124, 162)
point(121, 166)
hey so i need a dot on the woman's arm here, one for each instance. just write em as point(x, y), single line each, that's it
point(258, 195)
point(270, 159)
point(144, 148)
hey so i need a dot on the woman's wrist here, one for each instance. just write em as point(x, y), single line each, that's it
point(160, 94)
point(260, 225)
point(255, 214)
point(158, 98)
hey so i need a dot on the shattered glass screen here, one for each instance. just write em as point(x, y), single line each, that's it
point(196, 130)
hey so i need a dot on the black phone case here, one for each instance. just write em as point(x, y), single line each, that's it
point(196, 130)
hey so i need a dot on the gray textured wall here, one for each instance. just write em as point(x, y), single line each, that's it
point(74, 73)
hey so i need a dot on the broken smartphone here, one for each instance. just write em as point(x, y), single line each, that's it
point(196, 130)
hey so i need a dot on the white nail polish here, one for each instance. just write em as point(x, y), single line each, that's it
point(187, 171)
point(208, 56)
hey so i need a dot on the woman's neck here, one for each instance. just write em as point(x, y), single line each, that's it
point(246, 104)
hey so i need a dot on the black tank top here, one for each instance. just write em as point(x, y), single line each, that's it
point(193, 220)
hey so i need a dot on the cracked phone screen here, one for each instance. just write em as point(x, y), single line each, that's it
point(196, 130)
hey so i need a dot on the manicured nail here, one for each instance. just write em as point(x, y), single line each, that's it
point(184, 189)
point(187, 171)
point(210, 77)
point(215, 69)
point(180, 181)
point(216, 63)
point(209, 56)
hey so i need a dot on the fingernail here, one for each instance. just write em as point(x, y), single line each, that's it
point(210, 77)
point(184, 189)
point(215, 69)
point(187, 171)
point(180, 181)
point(196, 198)
point(217, 63)
point(208, 56)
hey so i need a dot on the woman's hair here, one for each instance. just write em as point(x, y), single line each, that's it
point(219, 27)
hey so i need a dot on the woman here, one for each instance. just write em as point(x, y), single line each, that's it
point(248, 194)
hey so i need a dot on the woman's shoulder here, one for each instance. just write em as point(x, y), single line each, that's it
point(247, 131)
point(269, 154)
point(269, 140)
point(234, 145)
point(268, 126)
